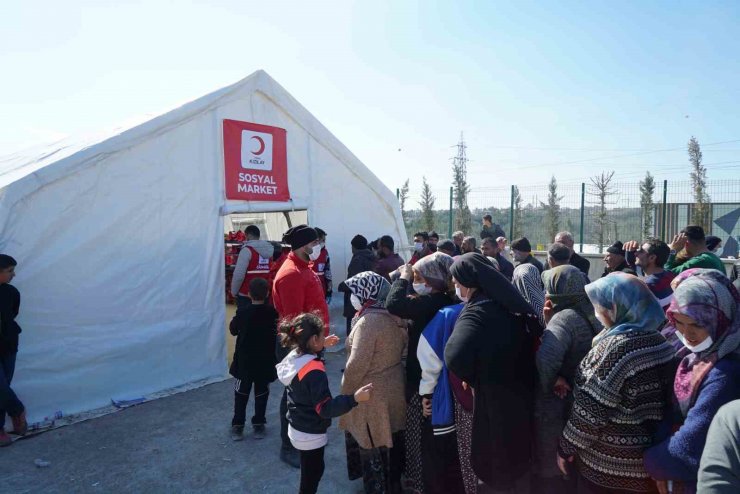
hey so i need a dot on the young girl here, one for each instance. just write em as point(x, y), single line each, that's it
point(310, 404)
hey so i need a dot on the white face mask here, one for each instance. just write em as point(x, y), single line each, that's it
point(422, 289)
point(315, 252)
point(704, 345)
point(355, 302)
point(459, 295)
point(418, 246)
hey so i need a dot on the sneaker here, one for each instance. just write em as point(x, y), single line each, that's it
point(20, 426)
point(291, 456)
point(237, 432)
point(258, 431)
point(5, 439)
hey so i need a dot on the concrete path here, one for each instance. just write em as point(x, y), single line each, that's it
point(176, 444)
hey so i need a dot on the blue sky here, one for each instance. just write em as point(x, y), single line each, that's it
point(539, 88)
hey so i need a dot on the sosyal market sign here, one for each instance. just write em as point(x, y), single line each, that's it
point(256, 163)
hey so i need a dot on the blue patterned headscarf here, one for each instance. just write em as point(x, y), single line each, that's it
point(629, 303)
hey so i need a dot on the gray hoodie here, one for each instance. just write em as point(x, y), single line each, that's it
point(263, 248)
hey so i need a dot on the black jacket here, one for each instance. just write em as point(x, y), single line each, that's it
point(255, 328)
point(581, 263)
point(533, 261)
point(507, 269)
point(491, 350)
point(624, 268)
point(310, 405)
point(362, 260)
point(420, 310)
point(10, 303)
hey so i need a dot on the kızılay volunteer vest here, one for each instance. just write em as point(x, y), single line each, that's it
point(319, 266)
point(259, 267)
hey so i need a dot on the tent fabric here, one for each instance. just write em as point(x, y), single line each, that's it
point(120, 244)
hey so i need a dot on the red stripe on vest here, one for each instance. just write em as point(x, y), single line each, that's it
point(312, 365)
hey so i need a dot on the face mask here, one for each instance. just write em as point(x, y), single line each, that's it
point(323, 245)
point(459, 295)
point(418, 246)
point(355, 302)
point(315, 252)
point(422, 289)
point(698, 348)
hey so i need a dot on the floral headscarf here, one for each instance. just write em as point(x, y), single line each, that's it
point(527, 280)
point(435, 268)
point(630, 304)
point(370, 287)
point(708, 297)
point(565, 287)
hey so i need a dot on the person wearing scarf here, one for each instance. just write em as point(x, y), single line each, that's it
point(527, 280)
point(620, 391)
point(375, 348)
point(417, 296)
point(704, 313)
point(492, 350)
point(571, 326)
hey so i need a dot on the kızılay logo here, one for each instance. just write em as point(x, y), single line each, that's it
point(256, 150)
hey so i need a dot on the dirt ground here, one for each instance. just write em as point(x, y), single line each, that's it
point(177, 444)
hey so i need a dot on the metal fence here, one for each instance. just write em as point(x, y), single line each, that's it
point(579, 208)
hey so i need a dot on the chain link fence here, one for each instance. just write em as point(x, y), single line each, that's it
point(596, 218)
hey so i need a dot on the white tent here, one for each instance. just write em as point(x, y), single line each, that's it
point(121, 252)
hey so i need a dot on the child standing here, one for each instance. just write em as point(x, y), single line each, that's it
point(255, 328)
point(310, 404)
point(10, 302)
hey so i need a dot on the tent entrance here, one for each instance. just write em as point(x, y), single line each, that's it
point(272, 225)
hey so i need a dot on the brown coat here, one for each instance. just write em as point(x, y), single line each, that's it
point(374, 351)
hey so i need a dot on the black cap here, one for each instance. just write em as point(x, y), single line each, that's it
point(616, 248)
point(522, 245)
point(300, 236)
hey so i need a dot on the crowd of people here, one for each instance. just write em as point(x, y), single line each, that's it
point(469, 371)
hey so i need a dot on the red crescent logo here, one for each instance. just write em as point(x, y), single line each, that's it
point(262, 146)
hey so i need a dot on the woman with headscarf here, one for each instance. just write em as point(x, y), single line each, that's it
point(375, 349)
point(492, 350)
point(417, 295)
point(621, 390)
point(571, 326)
point(704, 313)
point(527, 280)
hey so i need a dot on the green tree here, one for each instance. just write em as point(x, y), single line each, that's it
point(403, 196)
point(647, 189)
point(427, 206)
point(602, 190)
point(700, 214)
point(552, 208)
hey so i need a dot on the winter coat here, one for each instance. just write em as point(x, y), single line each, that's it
point(297, 289)
point(386, 265)
point(507, 269)
point(263, 248)
point(677, 456)
point(363, 260)
point(10, 303)
point(419, 310)
point(490, 350)
point(374, 352)
point(566, 340)
point(310, 404)
point(719, 472)
point(623, 268)
point(534, 262)
point(255, 328)
point(581, 263)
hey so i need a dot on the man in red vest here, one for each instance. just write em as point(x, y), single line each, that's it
point(297, 289)
point(322, 266)
point(255, 260)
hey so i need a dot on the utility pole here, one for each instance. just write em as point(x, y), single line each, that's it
point(460, 186)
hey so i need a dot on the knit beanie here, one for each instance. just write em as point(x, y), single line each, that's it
point(299, 236)
point(616, 248)
point(522, 245)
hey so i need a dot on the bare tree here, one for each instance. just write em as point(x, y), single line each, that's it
point(463, 220)
point(700, 214)
point(552, 208)
point(647, 189)
point(403, 196)
point(603, 190)
point(427, 206)
point(518, 201)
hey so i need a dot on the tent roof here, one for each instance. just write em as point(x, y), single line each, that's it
point(44, 164)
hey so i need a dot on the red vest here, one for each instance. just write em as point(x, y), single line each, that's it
point(319, 265)
point(259, 267)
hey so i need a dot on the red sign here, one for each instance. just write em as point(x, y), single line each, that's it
point(255, 161)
